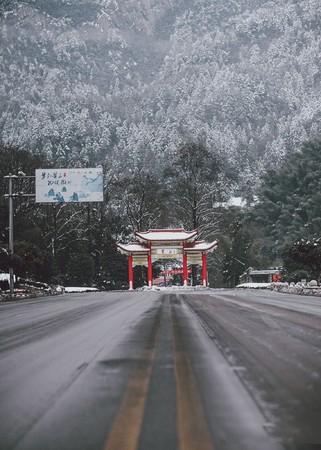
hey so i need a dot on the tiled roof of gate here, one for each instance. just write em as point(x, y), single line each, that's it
point(132, 248)
point(178, 234)
point(202, 247)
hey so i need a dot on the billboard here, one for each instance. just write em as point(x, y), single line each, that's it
point(69, 185)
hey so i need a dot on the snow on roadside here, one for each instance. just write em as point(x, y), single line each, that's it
point(299, 289)
point(311, 288)
point(254, 286)
point(70, 289)
point(173, 288)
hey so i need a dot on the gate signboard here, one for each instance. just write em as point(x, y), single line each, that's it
point(69, 185)
point(140, 260)
point(194, 259)
point(167, 253)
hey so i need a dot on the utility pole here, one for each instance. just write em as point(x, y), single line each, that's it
point(11, 247)
point(10, 196)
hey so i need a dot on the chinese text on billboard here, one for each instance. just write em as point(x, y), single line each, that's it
point(69, 185)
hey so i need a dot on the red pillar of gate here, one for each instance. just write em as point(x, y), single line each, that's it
point(204, 269)
point(130, 272)
point(185, 270)
point(150, 270)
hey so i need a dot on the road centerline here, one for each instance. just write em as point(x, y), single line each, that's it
point(127, 426)
point(192, 425)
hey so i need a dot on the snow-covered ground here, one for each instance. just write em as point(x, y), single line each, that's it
point(254, 285)
point(69, 289)
point(176, 288)
point(6, 277)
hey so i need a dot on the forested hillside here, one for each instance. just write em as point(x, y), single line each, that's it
point(184, 104)
point(104, 80)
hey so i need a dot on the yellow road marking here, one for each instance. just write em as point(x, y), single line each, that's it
point(126, 429)
point(193, 432)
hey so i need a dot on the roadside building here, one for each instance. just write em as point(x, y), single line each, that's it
point(260, 276)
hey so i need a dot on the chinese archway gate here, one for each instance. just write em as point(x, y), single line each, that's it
point(171, 244)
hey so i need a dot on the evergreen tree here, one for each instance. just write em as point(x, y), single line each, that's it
point(196, 180)
point(80, 269)
point(289, 206)
point(236, 253)
point(304, 254)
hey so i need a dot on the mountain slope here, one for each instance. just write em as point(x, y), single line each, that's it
point(89, 80)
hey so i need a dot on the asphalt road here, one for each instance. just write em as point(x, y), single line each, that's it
point(170, 370)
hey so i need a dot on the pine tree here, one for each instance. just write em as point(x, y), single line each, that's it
point(304, 254)
point(289, 206)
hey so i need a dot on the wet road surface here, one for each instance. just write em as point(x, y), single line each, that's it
point(170, 370)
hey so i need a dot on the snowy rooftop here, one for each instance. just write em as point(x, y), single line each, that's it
point(263, 271)
point(136, 247)
point(132, 247)
point(202, 247)
point(178, 234)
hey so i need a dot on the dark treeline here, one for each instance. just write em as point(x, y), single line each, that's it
point(76, 243)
